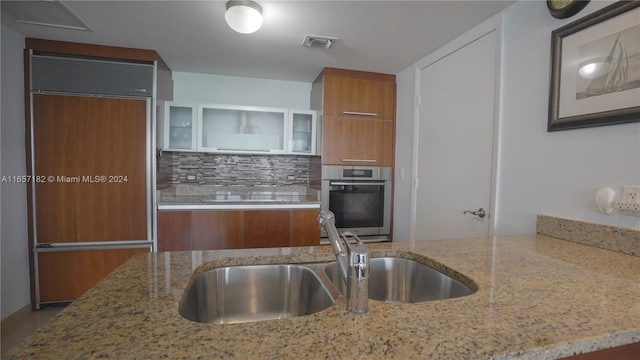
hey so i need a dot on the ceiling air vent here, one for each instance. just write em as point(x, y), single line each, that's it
point(318, 41)
point(45, 13)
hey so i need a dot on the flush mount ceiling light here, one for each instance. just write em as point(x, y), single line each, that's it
point(243, 16)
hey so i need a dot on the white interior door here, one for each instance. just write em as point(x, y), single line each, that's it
point(454, 158)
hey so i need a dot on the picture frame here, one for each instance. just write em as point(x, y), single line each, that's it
point(595, 69)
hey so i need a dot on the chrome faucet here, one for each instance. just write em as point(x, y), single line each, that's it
point(353, 261)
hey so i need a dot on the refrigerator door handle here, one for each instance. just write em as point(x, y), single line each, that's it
point(93, 245)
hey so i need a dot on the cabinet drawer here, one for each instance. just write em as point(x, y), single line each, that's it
point(357, 141)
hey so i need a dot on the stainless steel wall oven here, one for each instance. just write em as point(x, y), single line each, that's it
point(360, 198)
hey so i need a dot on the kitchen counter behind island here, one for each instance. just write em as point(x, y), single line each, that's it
point(538, 298)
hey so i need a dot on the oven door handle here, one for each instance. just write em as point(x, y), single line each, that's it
point(376, 183)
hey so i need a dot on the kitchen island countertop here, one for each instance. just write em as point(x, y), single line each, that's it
point(538, 298)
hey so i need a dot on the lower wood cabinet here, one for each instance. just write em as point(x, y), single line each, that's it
point(304, 227)
point(65, 275)
point(624, 352)
point(236, 229)
point(267, 228)
point(214, 230)
point(174, 230)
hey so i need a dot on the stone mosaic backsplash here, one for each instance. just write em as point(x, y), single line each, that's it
point(179, 168)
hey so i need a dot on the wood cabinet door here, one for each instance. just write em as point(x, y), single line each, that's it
point(174, 230)
point(65, 275)
point(624, 352)
point(216, 229)
point(92, 153)
point(267, 228)
point(304, 227)
point(357, 141)
point(359, 97)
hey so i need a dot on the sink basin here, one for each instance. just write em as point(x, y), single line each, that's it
point(400, 280)
point(254, 293)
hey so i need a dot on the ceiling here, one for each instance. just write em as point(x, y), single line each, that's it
point(192, 36)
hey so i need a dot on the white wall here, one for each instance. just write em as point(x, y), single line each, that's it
point(556, 173)
point(405, 96)
point(13, 215)
point(235, 90)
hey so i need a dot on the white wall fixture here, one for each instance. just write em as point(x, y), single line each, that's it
point(629, 203)
point(243, 16)
point(604, 200)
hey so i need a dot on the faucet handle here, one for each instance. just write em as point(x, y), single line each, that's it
point(357, 246)
point(358, 252)
point(346, 234)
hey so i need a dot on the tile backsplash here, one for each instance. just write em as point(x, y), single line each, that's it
point(188, 168)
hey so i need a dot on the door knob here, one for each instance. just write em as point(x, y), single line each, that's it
point(479, 213)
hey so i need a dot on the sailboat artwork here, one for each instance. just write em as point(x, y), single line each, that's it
point(618, 71)
point(595, 69)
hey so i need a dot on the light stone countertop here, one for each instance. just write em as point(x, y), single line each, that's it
point(538, 298)
point(236, 197)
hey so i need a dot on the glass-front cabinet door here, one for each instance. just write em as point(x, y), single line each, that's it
point(242, 129)
point(302, 132)
point(178, 126)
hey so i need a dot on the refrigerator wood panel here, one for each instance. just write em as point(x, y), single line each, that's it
point(89, 156)
point(65, 275)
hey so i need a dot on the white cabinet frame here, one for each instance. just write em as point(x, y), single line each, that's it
point(166, 131)
point(292, 148)
point(243, 141)
point(238, 141)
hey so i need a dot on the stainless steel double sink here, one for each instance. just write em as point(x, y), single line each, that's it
point(254, 293)
point(266, 292)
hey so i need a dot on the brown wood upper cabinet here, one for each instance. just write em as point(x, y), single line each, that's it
point(355, 94)
point(358, 116)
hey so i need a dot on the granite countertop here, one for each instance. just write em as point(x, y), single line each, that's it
point(214, 197)
point(538, 297)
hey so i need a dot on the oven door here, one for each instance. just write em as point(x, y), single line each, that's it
point(362, 207)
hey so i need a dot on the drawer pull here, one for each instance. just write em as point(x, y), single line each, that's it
point(359, 113)
point(360, 160)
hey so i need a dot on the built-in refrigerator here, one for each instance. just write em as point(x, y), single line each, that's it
point(90, 164)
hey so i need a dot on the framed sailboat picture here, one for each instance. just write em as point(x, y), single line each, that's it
point(595, 69)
